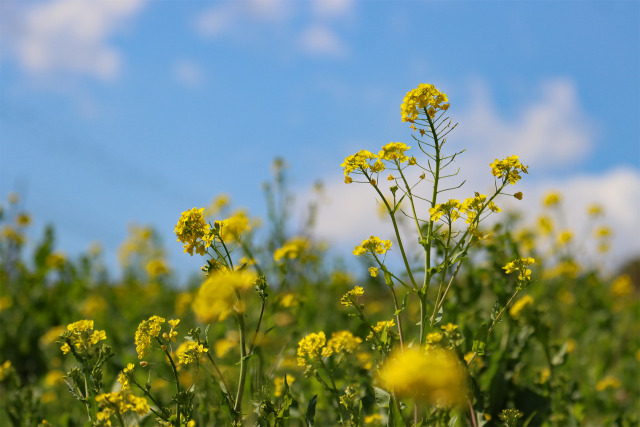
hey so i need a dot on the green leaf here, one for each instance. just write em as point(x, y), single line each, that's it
point(452, 421)
point(382, 397)
point(480, 340)
point(387, 278)
point(439, 315)
point(311, 411)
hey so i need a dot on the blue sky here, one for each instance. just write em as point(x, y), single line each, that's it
point(120, 111)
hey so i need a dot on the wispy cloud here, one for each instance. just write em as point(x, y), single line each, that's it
point(258, 19)
point(320, 40)
point(69, 36)
point(188, 73)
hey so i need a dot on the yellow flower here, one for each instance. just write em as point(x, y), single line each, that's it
point(373, 419)
point(342, 341)
point(380, 327)
point(434, 376)
point(216, 297)
point(450, 210)
point(220, 202)
point(424, 97)
point(373, 271)
point(545, 224)
point(552, 198)
point(434, 337)
point(349, 298)
point(292, 249)
point(23, 220)
point(372, 245)
point(190, 352)
point(125, 376)
point(157, 267)
point(622, 286)
point(183, 301)
point(82, 336)
point(310, 347)
point(147, 330)
point(360, 162)
point(93, 305)
point(521, 267)
point(231, 228)
point(193, 231)
point(520, 305)
point(565, 237)
point(608, 382)
point(278, 382)
point(595, 210)
point(55, 260)
point(508, 170)
point(394, 151)
point(5, 369)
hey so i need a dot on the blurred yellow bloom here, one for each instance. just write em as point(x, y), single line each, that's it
point(434, 376)
point(93, 305)
point(595, 210)
point(190, 352)
point(231, 228)
point(216, 297)
point(565, 237)
point(147, 330)
point(622, 286)
point(608, 382)
point(350, 297)
point(23, 220)
point(156, 267)
point(223, 345)
point(292, 249)
point(373, 419)
point(517, 307)
point(183, 301)
point(278, 382)
point(55, 260)
point(6, 302)
point(5, 368)
point(220, 202)
point(552, 198)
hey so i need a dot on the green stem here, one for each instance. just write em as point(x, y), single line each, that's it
point(243, 362)
point(175, 374)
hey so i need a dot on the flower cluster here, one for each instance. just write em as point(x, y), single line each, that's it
point(434, 376)
point(450, 209)
point(81, 336)
point(341, 342)
point(231, 228)
point(147, 330)
point(372, 245)
point(394, 151)
point(349, 298)
point(217, 295)
point(521, 267)
point(190, 352)
point(310, 347)
point(118, 403)
point(194, 232)
point(360, 162)
point(508, 169)
point(383, 327)
point(425, 96)
point(291, 249)
point(124, 377)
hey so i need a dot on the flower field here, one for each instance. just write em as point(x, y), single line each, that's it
point(455, 314)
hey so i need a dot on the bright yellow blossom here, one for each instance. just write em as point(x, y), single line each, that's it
point(349, 298)
point(310, 347)
point(372, 245)
point(341, 342)
point(193, 231)
point(521, 267)
point(434, 376)
point(508, 170)
point(424, 97)
point(147, 330)
point(394, 151)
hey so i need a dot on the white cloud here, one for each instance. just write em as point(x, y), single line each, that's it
point(235, 15)
point(188, 73)
point(71, 36)
point(320, 40)
point(332, 8)
point(550, 133)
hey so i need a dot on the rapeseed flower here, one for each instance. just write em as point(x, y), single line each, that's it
point(125, 376)
point(349, 298)
point(119, 403)
point(608, 382)
point(147, 330)
point(450, 209)
point(552, 198)
point(278, 383)
point(341, 342)
point(360, 162)
point(508, 170)
point(433, 376)
point(518, 307)
point(622, 286)
point(81, 336)
point(194, 232)
point(424, 97)
point(394, 151)
point(217, 298)
point(520, 266)
point(372, 245)
point(310, 348)
point(190, 352)
point(292, 249)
